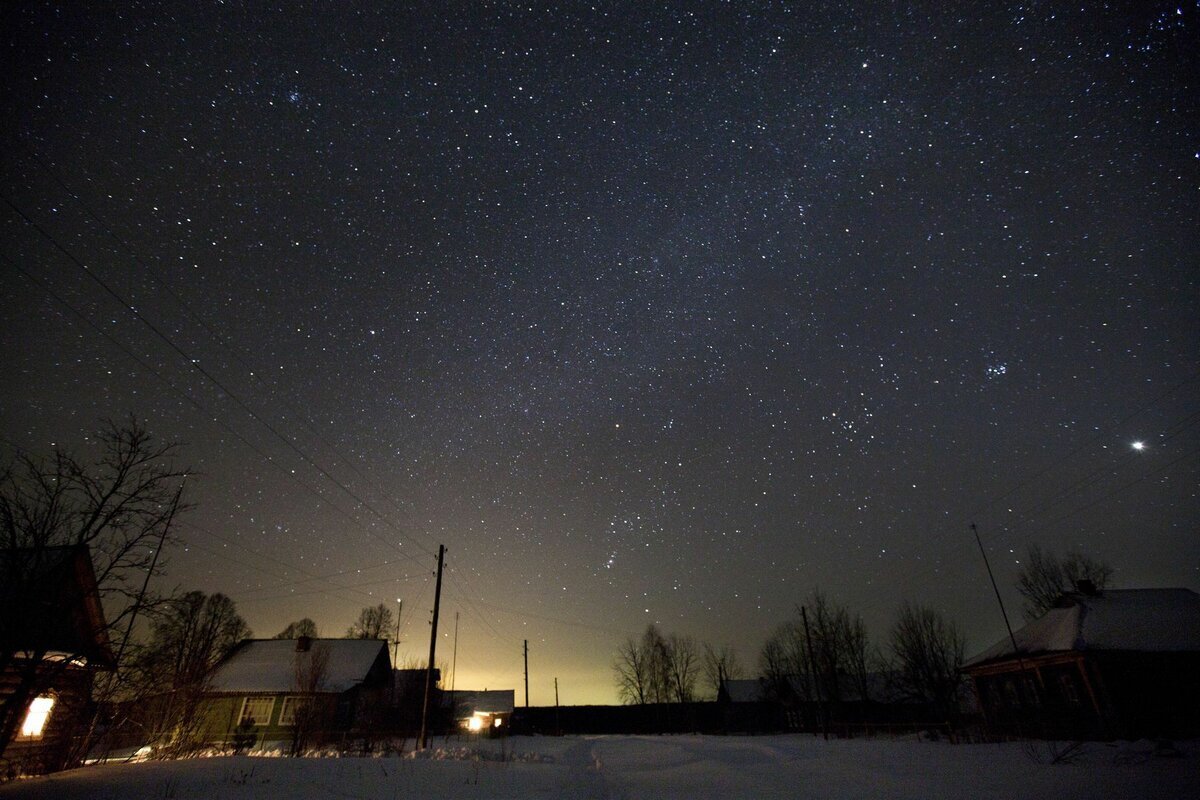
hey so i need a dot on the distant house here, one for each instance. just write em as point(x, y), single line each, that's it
point(752, 705)
point(270, 689)
point(482, 711)
point(1122, 662)
point(52, 641)
point(408, 699)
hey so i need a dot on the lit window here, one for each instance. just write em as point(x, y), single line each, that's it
point(256, 711)
point(35, 719)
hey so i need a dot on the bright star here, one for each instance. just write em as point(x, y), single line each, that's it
point(1139, 445)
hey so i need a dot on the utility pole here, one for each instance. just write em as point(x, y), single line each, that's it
point(812, 665)
point(527, 673)
point(454, 662)
point(437, 601)
point(557, 723)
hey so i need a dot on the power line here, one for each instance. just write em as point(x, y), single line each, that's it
point(195, 365)
point(186, 308)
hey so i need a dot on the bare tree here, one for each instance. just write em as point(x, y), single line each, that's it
point(657, 668)
point(927, 651)
point(658, 660)
point(718, 666)
point(303, 627)
point(191, 634)
point(309, 713)
point(784, 661)
point(683, 667)
point(632, 671)
point(839, 648)
point(820, 660)
point(374, 622)
point(1045, 577)
point(119, 506)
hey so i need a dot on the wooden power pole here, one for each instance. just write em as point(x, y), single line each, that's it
point(437, 601)
point(527, 673)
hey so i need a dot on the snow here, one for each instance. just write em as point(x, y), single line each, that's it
point(1148, 620)
point(269, 665)
point(723, 768)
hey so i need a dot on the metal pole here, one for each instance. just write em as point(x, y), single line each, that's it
point(146, 583)
point(396, 646)
point(1003, 613)
point(527, 673)
point(995, 589)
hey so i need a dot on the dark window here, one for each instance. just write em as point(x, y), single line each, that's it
point(1070, 692)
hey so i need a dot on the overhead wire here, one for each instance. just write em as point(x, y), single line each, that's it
point(185, 307)
point(196, 366)
point(182, 393)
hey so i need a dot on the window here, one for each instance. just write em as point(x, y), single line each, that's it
point(1031, 692)
point(1069, 690)
point(291, 706)
point(256, 711)
point(35, 718)
point(1012, 699)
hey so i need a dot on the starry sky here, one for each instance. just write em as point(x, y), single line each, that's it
point(663, 313)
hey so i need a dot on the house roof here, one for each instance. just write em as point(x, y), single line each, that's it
point(270, 665)
point(749, 690)
point(1144, 620)
point(49, 602)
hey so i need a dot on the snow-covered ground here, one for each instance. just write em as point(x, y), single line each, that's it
point(651, 767)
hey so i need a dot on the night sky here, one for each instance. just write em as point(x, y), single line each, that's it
point(665, 314)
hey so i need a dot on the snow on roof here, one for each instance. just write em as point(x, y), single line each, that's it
point(751, 690)
point(270, 665)
point(1148, 620)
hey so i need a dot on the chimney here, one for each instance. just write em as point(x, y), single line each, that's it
point(1086, 588)
point(303, 644)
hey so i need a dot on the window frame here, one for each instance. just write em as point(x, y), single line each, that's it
point(290, 704)
point(247, 700)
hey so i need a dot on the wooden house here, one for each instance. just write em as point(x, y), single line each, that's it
point(53, 639)
point(289, 690)
point(1118, 663)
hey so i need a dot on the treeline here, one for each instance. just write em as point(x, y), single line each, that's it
point(822, 653)
point(671, 669)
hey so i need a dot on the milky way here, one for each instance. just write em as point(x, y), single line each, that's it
point(648, 315)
